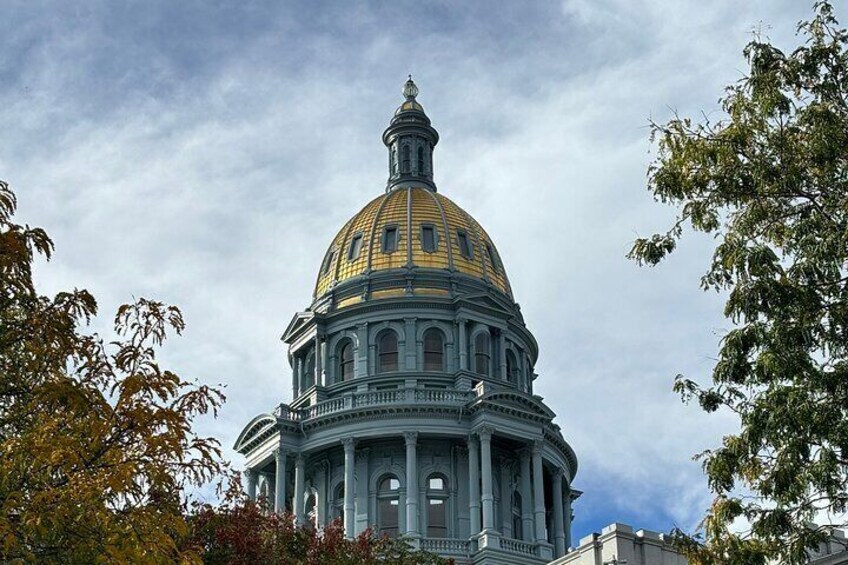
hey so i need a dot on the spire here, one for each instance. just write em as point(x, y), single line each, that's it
point(410, 140)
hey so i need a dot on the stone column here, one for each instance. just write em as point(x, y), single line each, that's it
point(487, 497)
point(526, 497)
point(567, 519)
point(411, 484)
point(539, 492)
point(559, 529)
point(410, 359)
point(349, 488)
point(295, 377)
point(251, 476)
point(319, 361)
point(474, 485)
point(360, 367)
point(280, 481)
point(502, 355)
point(299, 485)
point(463, 345)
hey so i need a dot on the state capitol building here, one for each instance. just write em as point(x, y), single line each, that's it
point(412, 382)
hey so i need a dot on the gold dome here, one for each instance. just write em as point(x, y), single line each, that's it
point(443, 237)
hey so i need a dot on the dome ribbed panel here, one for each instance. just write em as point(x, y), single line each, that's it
point(425, 212)
point(392, 214)
point(361, 225)
point(326, 277)
point(457, 220)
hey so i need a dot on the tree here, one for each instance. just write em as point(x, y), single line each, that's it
point(97, 446)
point(770, 181)
point(240, 531)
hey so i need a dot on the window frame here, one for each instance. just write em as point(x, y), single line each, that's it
point(483, 352)
point(441, 352)
point(381, 354)
point(490, 251)
point(384, 240)
point(442, 496)
point(341, 363)
point(354, 250)
point(391, 497)
point(464, 245)
point(328, 261)
point(432, 229)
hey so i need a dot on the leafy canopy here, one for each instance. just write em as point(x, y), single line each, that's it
point(770, 182)
point(96, 439)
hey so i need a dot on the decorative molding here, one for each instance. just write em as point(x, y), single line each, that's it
point(411, 438)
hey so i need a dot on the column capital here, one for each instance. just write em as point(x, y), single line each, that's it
point(410, 438)
point(471, 441)
point(485, 433)
point(281, 452)
point(349, 443)
point(537, 445)
point(558, 475)
point(299, 458)
point(251, 473)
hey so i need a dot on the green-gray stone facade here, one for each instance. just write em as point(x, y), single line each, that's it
point(413, 408)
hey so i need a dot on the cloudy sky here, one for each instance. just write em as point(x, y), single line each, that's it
point(205, 153)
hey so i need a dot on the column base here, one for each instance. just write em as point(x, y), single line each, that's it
point(545, 550)
point(488, 539)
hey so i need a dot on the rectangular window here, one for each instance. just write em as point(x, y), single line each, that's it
point(428, 238)
point(328, 260)
point(355, 247)
point(491, 253)
point(464, 245)
point(390, 239)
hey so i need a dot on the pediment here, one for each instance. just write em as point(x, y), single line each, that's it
point(486, 302)
point(297, 323)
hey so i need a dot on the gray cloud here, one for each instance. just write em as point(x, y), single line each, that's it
point(206, 155)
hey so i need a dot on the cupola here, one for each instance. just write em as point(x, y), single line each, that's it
point(410, 140)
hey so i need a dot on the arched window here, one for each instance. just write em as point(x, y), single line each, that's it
point(345, 361)
point(517, 523)
point(337, 508)
point(420, 160)
point(511, 368)
point(437, 507)
point(311, 510)
point(434, 350)
point(388, 502)
point(482, 353)
point(308, 377)
point(406, 159)
point(387, 352)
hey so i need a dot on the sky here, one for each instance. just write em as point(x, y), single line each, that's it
point(205, 154)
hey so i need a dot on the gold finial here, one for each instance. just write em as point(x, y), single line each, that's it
point(410, 91)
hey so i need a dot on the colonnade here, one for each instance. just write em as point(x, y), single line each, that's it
point(480, 489)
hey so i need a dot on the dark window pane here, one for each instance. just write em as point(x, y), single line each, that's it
point(428, 238)
point(346, 361)
point(420, 160)
point(387, 350)
point(328, 260)
point(492, 259)
point(437, 518)
point(433, 351)
point(355, 247)
point(406, 158)
point(390, 240)
point(464, 246)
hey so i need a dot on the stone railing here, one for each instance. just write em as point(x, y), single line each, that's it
point(445, 546)
point(518, 546)
point(368, 398)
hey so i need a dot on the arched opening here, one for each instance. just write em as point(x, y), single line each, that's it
point(311, 510)
point(394, 161)
point(434, 350)
point(388, 503)
point(437, 507)
point(420, 160)
point(337, 504)
point(308, 376)
point(387, 352)
point(517, 523)
point(406, 159)
point(345, 365)
point(482, 354)
point(511, 367)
